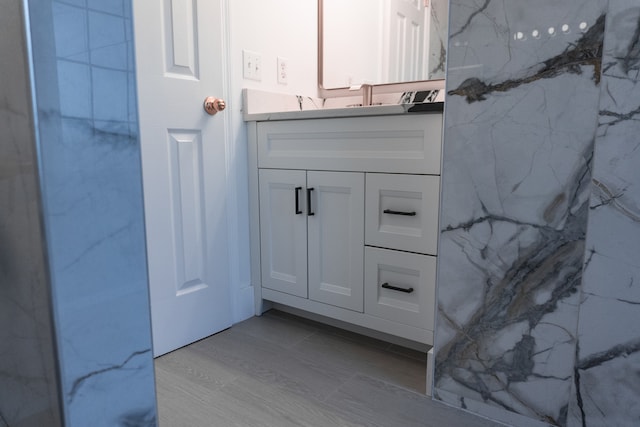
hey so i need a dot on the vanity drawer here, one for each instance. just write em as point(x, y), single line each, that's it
point(402, 212)
point(396, 144)
point(400, 287)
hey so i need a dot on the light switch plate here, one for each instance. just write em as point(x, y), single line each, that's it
point(251, 65)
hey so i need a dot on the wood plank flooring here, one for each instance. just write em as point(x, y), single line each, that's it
point(282, 370)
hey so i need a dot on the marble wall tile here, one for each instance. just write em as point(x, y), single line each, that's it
point(28, 376)
point(109, 88)
point(520, 118)
point(74, 83)
point(71, 38)
point(608, 358)
point(115, 7)
point(81, 3)
point(108, 40)
point(438, 32)
point(93, 212)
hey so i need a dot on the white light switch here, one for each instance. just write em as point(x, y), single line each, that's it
point(251, 65)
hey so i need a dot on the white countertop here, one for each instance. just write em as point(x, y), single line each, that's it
point(265, 106)
point(373, 110)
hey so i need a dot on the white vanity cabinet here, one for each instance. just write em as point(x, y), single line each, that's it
point(344, 218)
point(311, 235)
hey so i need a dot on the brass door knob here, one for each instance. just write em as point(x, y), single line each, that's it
point(213, 105)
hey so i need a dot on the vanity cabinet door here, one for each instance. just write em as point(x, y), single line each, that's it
point(283, 231)
point(336, 238)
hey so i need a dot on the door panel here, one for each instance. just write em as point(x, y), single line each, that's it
point(406, 39)
point(181, 38)
point(185, 157)
point(184, 168)
point(336, 238)
point(283, 231)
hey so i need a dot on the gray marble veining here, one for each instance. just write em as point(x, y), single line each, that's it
point(606, 389)
point(586, 51)
point(92, 210)
point(438, 30)
point(540, 234)
point(523, 87)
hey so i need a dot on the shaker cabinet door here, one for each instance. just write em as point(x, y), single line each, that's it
point(336, 238)
point(283, 231)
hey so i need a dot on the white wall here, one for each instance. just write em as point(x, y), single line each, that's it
point(353, 42)
point(272, 28)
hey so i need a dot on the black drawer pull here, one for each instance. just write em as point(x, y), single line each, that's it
point(391, 212)
point(298, 211)
point(395, 288)
point(309, 212)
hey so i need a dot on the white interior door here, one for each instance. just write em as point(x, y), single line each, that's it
point(179, 60)
point(406, 39)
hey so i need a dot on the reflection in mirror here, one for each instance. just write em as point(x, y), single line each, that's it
point(381, 41)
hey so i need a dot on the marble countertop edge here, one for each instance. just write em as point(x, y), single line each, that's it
point(373, 110)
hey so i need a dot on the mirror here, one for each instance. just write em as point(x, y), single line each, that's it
point(381, 42)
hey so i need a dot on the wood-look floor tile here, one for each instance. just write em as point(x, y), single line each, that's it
point(243, 345)
point(191, 405)
point(377, 403)
point(273, 328)
point(182, 402)
point(312, 376)
point(192, 365)
point(359, 357)
point(273, 364)
point(286, 406)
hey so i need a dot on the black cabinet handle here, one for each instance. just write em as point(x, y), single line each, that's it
point(395, 288)
point(309, 212)
point(390, 212)
point(298, 211)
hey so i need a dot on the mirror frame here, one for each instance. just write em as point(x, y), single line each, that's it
point(399, 87)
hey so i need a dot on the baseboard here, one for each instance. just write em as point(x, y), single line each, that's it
point(430, 371)
point(243, 304)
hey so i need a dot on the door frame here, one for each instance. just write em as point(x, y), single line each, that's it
point(233, 235)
